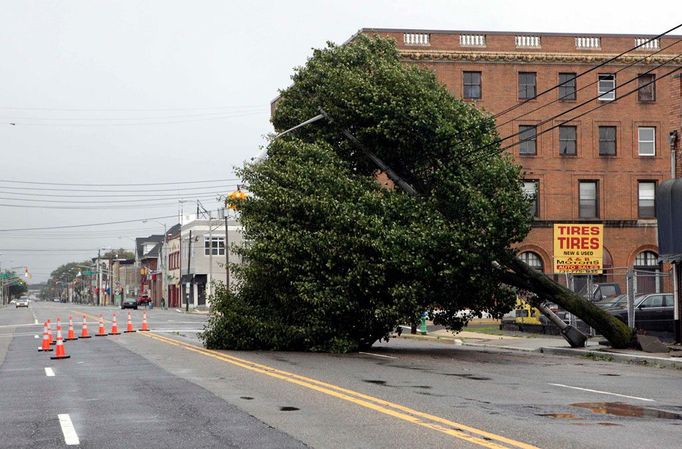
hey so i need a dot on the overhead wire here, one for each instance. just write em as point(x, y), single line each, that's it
point(127, 184)
point(500, 150)
point(544, 105)
point(592, 69)
point(45, 228)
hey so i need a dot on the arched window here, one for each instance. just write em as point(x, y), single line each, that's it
point(532, 259)
point(647, 273)
point(646, 259)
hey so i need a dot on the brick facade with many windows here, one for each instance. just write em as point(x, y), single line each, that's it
point(602, 167)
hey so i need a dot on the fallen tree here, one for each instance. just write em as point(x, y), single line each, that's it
point(334, 260)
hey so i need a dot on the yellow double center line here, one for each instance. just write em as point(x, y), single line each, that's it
point(442, 425)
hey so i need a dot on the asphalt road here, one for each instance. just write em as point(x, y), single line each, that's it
point(160, 389)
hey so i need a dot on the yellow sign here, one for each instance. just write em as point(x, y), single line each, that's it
point(578, 248)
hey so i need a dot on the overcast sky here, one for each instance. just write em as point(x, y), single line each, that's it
point(168, 91)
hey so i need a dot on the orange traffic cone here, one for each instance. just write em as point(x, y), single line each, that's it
point(101, 332)
point(46, 339)
point(59, 327)
point(84, 329)
point(60, 353)
point(144, 322)
point(114, 326)
point(49, 333)
point(129, 327)
point(71, 335)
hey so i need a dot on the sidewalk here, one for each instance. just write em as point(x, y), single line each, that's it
point(555, 345)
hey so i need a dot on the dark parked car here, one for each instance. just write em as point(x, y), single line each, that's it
point(653, 312)
point(144, 300)
point(616, 302)
point(129, 303)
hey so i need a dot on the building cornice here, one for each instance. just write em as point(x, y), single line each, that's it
point(534, 57)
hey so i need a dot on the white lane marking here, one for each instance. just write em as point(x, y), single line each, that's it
point(70, 435)
point(35, 318)
point(19, 325)
point(378, 355)
point(603, 392)
point(177, 330)
point(49, 372)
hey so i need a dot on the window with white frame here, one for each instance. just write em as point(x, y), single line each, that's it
point(530, 189)
point(646, 203)
point(214, 245)
point(588, 199)
point(646, 141)
point(607, 86)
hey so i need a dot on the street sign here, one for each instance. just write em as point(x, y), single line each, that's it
point(578, 248)
point(89, 273)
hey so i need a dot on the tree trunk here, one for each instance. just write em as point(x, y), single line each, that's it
point(523, 276)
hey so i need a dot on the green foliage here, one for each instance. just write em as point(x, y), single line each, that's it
point(16, 286)
point(334, 261)
point(118, 254)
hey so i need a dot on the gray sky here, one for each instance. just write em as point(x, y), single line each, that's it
point(155, 91)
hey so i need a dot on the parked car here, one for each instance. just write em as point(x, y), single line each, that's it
point(604, 290)
point(653, 312)
point(144, 300)
point(21, 302)
point(616, 302)
point(129, 303)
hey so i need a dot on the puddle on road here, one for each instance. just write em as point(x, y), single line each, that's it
point(288, 409)
point(374, 381)
point(558, 415)
point(248, 398)
point(622, 409)
point(466, 376)
point(610, 374)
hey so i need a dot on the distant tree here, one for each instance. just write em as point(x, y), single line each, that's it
point(118, 254)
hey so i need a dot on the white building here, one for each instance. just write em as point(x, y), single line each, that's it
point(205, 264)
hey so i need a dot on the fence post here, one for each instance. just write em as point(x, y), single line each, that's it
point(631, 297)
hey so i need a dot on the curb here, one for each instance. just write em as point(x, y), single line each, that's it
point(599, 355)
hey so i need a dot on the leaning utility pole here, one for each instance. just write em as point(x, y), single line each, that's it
point(189, 276)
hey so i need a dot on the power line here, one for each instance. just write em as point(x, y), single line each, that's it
point(592, 69)
point(108, 201)
point(202, 108)
point(18, 122)
point(579, 115)
point(161, 117)
point(87, 225)
point(134, 195)
point(203, 181)
point(554, 117)
point(544, 105)
point(139, 191)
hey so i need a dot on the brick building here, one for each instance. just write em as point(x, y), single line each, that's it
point(600, 168)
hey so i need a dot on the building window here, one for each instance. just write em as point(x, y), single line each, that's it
point(607, 86)
point(647, 199)
point(568, 140)
point(589, 204)
point(532, 259)
point(530, 189)
point(607, 141)
point(567, 89)
point(647, 87)
point(647, 273)
point(526, 85)
point(472, 85)
point(527, 140)
point(646, 141)
point(214, 245)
